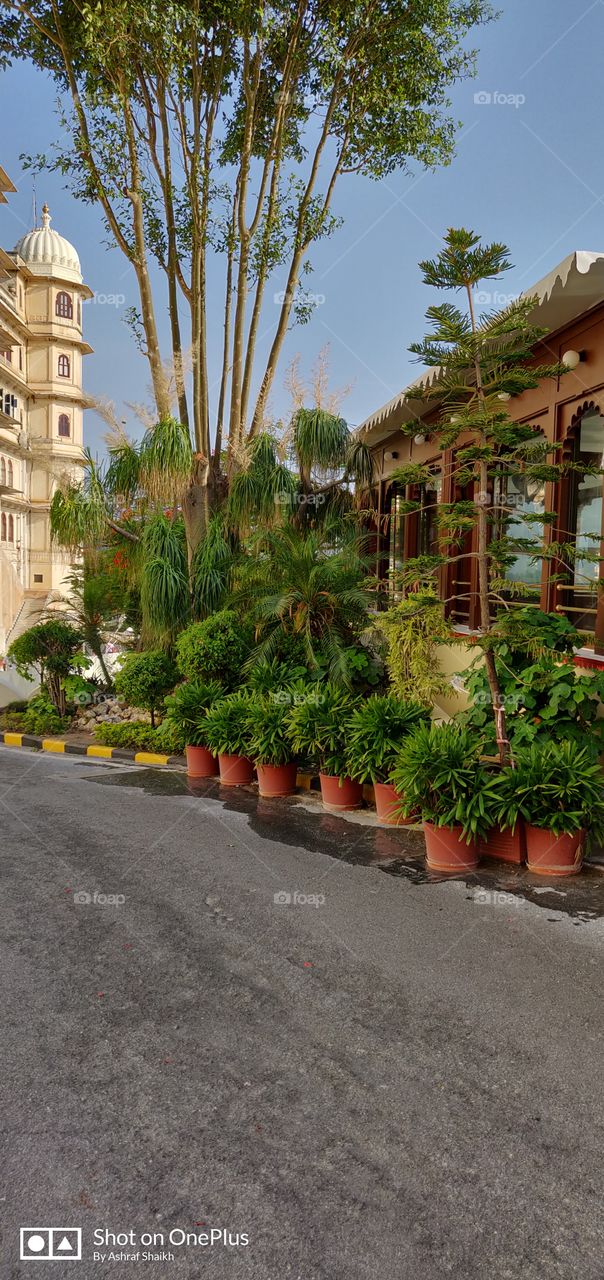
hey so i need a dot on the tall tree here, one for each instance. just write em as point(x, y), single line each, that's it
point(479, 364)
point(221, 129)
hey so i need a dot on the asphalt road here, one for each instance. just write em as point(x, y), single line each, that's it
point(397, 1079)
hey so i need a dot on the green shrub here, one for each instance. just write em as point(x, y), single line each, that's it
point(169, 739)
point(319, 727)
point(413, 629)
point(12, 720)
point(377, 730)
point(227, 726)
point(555, 786)
point(53, 650)
point(440, 775)
point(129, 735)
point(18, 704)
point(42, 716)
point(544, 696)
point(269, 676)
point(215, 649)
point(186, 709)
point(269, 743)
point(145, 678)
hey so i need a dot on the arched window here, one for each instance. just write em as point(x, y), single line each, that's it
point(64, 306)
point(79, 313)
point(11, 528)
point(10, 475)
point(64, 424)
point(2, 471)
point(3, 528)
point(64, 367)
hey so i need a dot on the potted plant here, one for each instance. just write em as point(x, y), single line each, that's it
point(558, 789)
point(227, 733)
point(377, 730)
point(186, 710)
point(440, 774)
point(270, 747)
point(318, 729)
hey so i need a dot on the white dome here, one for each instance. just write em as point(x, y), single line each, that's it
point(43, 247)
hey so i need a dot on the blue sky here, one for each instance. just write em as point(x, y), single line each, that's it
point(530, 173)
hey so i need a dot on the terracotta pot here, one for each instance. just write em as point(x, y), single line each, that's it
point(550, 855)
point(447, 852)
point(276, 779)
point(235, 771)
point(340, 793)
point(201, 763)
point(504, 845)
point(387, 800)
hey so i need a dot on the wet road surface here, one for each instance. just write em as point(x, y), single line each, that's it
point(386, 1074)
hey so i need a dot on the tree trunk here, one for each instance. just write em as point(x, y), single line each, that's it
point(195, 506)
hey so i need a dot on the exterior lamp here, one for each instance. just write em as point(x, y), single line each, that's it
point(419, 439)
point(391, 455)
point(505, 396)
point(572, 358)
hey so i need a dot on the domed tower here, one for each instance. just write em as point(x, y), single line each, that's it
point(53, 296)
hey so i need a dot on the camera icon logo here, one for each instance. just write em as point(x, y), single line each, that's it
point(50, 1244)
point(282, 898)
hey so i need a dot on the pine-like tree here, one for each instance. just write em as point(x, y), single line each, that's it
point(480, 363)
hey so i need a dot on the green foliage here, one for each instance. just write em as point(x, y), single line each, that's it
point(215, 649)
point(53, 649)
point(130, 736)
point(42, 717)
point(545, 697)
point(413, 629)
point(212, 570)
point(377, 730)
point(309, 586)
point(12, 721)
point(164, 579)
point(187, 706)
point(145, 678)
point(440, 774)
point(269, 738)
point(49, 647)
point(319, 728)
point(554, 785)
point(275, 674)
point(169, 738)
point(227, 726)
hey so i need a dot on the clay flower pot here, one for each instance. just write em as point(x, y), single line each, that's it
point(548, 854)
point(235, 771)
point(447, 852)
point(340, 793)
point(505, 845)
point(277, 779)
point(387, 800)
point(201, 763)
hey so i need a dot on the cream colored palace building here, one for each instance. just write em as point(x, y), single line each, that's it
point(41, 414)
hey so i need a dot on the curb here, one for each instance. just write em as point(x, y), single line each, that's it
point(78, 749)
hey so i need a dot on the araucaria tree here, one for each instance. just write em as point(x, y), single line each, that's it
point(480, 363)
point(216, 133)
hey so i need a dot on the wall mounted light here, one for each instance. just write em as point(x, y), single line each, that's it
point(504, 396)
point(391, 455)
point(419, 439)
point(572, 358)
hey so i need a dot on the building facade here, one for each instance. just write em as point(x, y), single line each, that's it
point(41, 415)
point(569, 410)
